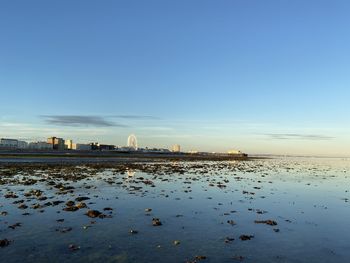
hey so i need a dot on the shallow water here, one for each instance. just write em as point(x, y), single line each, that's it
point(307, 197)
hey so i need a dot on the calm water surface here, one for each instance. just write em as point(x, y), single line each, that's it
point(308, 198)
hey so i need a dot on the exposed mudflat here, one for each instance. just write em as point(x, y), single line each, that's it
point(272, 210)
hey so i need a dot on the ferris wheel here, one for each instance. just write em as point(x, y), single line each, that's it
point(132, 142)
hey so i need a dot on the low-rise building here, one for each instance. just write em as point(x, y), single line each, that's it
point(22, 145)
point(81, 147)
point(155, 150)
point(106, 147)
point(40, 146)
point(94, 146)
point(13, 144)
point(8, 143)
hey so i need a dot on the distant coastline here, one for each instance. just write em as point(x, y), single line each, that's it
point(52, 156)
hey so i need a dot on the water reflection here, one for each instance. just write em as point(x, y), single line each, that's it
point(130, 173)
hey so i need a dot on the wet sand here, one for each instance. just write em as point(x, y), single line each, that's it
point(268, 210)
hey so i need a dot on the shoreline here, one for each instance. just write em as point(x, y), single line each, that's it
point(68, 157)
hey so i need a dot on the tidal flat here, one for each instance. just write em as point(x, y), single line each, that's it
point(263, 210)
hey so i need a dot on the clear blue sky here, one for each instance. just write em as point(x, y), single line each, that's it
point(261, 76)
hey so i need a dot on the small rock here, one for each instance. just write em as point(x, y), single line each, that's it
point(267, 222)
point(15, 225)
point(246, 237)
point(71, 208)
point(156, 222)
point(132, 231)
point(73, 247)
point(81, 205)
point(4, 242)
point(81, 198)
point(70, 203)
point(93, 213)
point(231, 222)
point(22, 206)
point(64, 229)
point(229, 239)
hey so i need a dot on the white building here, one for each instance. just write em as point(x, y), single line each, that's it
point(81, 147)
point(8, 143)
point(176, 148)
point(40, 146)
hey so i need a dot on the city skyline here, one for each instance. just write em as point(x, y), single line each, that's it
point(205, 75)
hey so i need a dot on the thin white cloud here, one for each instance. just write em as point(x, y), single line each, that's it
point(296, 136)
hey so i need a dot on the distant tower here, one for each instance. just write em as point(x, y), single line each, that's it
point(132, 142)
